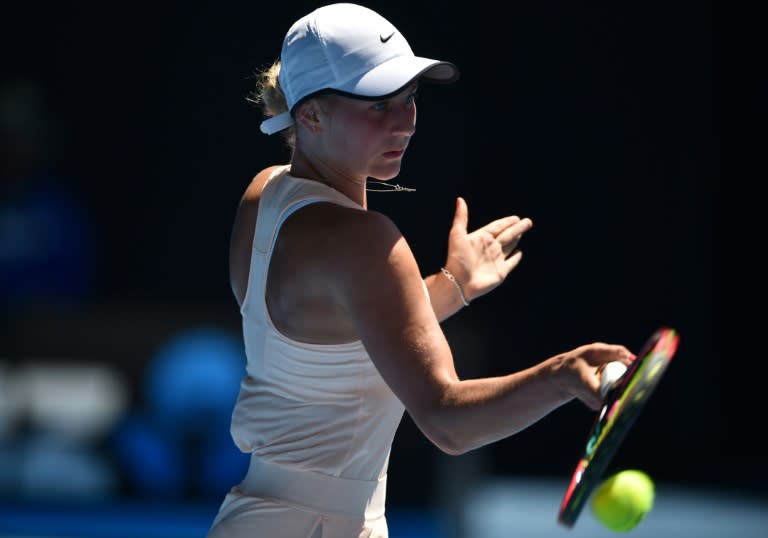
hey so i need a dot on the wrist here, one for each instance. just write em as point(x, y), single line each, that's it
point(459, 289)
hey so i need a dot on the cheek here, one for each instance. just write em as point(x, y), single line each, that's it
point(358, 136)
point(366, 139)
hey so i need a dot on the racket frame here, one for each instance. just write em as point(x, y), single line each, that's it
point(623, 404)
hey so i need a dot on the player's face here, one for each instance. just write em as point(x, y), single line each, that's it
point(369, 138)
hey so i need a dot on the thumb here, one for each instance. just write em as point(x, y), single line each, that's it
point(461, 216)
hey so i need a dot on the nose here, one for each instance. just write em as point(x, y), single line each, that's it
point(405, 120)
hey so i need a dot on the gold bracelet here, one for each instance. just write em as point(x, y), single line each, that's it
point(452, 278)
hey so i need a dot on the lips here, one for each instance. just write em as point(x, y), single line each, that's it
point(394, 154)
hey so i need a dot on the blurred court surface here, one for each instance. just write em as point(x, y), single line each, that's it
point(496, 509)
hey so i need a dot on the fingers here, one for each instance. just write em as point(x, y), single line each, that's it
point(589, 363)
point(510, 231)
point(460, 216)
point(604, 355)
point(511, 237)
point(496, 227)
point(599, 353)
point(515, 229)
point(512, 262)
point(508, 227)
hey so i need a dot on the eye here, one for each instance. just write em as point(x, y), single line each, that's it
point(381, 106)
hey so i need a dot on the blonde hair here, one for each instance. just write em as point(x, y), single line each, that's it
point(270, 97)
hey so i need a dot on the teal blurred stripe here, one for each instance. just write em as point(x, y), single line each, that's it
point(134, 520)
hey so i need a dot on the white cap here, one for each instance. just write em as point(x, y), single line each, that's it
point(351, 50)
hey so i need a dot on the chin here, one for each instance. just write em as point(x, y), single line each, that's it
point(385, 173)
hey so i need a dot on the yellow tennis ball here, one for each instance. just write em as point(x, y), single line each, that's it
point(621, 501)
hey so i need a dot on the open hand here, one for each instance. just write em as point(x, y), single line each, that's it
point(482, 259)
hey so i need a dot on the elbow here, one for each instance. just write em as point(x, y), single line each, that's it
point(445, 438)
point(443, 417)
point(455, 449)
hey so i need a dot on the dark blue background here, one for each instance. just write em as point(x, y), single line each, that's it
point(598, 121)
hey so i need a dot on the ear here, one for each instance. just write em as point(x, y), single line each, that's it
point(308, 115)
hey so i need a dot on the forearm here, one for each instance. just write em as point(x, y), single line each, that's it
point(475, 412)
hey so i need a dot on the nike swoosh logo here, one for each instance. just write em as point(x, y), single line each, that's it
point(385, 39)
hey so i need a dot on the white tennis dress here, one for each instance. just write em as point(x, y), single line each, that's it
point(318, 420)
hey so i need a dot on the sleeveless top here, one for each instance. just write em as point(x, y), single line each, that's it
point(315, 407)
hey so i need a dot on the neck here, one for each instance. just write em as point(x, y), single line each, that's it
point(351, 186)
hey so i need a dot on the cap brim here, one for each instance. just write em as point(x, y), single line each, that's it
point(392, 76)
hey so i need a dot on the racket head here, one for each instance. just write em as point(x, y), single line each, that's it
point(621, 407)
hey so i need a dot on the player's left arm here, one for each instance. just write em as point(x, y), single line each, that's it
point(480, 261)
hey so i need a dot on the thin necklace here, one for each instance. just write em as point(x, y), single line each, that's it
point(381, 186)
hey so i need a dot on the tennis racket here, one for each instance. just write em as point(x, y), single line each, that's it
point(624, 398)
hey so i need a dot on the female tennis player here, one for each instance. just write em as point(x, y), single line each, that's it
point(341, 330)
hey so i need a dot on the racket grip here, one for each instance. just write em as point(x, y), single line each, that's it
point(610, 374)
